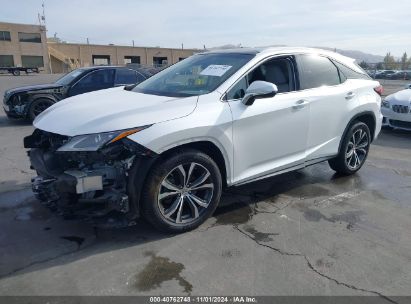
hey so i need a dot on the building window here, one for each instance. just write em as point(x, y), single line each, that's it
point(30, 37)
point(101, 59)
point(6, 61)
point(32, 61)
point(160, 61)
point(131, 59)
point(181, 58)
point(5, 36)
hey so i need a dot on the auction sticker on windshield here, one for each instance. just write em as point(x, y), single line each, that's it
point(215, 70)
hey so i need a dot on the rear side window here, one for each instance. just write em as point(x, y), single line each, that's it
point(125, 76)
point(347, 73)
point(317, 71)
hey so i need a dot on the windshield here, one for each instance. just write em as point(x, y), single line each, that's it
point(68, 78)
point(196, 75)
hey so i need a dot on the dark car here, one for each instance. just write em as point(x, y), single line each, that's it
point(400, 75)
point(384, 74)
point(28, 102)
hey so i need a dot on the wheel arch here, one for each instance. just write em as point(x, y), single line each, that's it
point(367, 117)
point(209, 148)
point(143, 164)
point(35, 97)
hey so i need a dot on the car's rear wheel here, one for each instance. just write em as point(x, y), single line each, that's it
point(38, 106)
point(16, 73)
point(353, 151)
point(182, 191)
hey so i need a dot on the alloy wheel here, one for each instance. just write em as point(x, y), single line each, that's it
point(357, 149)
point(185, 193)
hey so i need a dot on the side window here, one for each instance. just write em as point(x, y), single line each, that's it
point(347, 73)
point(238, 90)
point(277, 71)
point(140, 77)
point(95, 80)
point(317, 71)
point(125, 76)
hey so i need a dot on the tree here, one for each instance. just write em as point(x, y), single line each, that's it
point(389, 62)
point(379, 66)
point(364, 65)
point(405, 62)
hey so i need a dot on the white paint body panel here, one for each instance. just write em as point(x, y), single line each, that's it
point(263, 139)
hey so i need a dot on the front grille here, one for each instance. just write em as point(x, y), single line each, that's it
point(400, 124)
point(401, 109)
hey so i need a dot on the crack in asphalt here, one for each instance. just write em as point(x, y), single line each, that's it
point(312, 268)
point(345, 284)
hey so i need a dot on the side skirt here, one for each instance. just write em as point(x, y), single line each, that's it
point(289, 169)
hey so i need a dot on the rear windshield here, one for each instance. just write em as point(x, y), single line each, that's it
point(197, 75)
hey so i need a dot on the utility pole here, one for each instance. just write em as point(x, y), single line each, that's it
point(182, 46)
point(88, 42)
point(133, 43)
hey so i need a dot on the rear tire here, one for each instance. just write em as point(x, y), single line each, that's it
point(181, 192)
point(38, 106)
point(353, 151)
point(16, 73)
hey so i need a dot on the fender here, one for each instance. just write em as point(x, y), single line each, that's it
point(211, 140)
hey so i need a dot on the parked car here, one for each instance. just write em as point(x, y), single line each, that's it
point(400, 75)
point(384, 74)
point(165, 149)
point(29, 101)
point(396, 109)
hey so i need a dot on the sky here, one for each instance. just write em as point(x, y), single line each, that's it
point(376, 27)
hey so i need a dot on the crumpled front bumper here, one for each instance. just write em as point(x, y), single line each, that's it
point(78, 193)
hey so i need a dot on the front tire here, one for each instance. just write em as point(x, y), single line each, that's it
point(181, 191)
point(354, 150)
point(38, 106)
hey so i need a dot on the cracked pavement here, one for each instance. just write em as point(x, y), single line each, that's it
point(309, 232)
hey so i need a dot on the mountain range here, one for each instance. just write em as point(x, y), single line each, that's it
point(359, 56)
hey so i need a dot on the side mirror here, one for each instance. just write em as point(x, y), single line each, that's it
point(259, 89)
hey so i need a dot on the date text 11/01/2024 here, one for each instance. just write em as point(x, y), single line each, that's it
point(188, 299)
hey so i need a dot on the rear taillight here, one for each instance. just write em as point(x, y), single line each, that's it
point(379, 90)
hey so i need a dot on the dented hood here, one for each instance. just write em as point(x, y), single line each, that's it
point(111, 110)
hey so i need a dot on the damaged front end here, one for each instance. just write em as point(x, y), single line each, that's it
point(92, 185)
point(15, 106)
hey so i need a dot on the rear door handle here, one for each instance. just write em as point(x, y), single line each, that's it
point(350, 95)
point(300, 104)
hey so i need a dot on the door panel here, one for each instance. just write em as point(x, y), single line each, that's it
point(328, 106)
point(321, 81)
point(269, 135)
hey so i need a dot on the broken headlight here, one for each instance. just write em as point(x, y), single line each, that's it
point(93, 142)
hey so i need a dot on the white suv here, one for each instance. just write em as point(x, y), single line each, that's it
point(166, 148)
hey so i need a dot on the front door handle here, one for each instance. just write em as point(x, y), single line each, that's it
point(300, 104)
point(350, 95)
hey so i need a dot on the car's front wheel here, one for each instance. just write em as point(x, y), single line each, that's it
point(38, 106)
point(354, 149)
point(181, 191)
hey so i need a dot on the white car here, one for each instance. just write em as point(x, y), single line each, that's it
point(166, 148)
point(396, 109)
